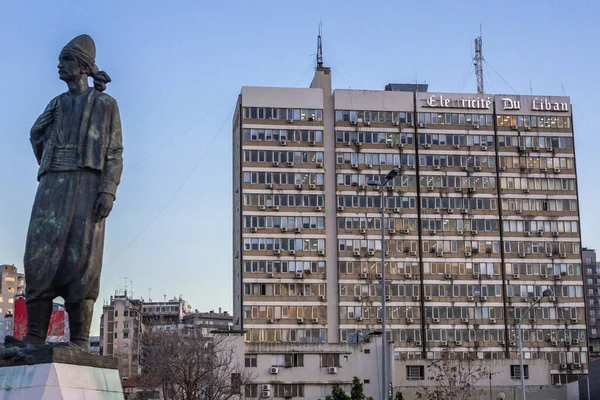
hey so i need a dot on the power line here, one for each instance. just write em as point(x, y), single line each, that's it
point(170, 142)
point(500, 76)
point(172, 197)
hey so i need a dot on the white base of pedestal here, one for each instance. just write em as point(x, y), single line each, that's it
point(56, 381)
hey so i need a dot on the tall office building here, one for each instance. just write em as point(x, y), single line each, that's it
point(481, 220)
point(12, 284)
point(591, 279)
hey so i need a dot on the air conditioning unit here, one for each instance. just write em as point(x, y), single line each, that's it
point(356, 253)
point(370, 252)
point(575, 341)
point(460, 232)
point(522, 255)
point(484, 148)
point(322, 297)
point(430, 188)
point(458, 343)
point(415, 297)
point(576, 365)
point(464, 320)
point(298, 230)
point(367, 123)
point(277, 252)
point(299, 186)
point(427, 298)
point(358, 144)
point(512, 343)
point(540, 233)
point(406, 231)
point(516, 276)
point(436, 320)
point(265, 394)
point(519, 211)
point(563, 255)
point(476, 275)
point(364, 275)
point(422, 125)
point(292, 252)
point(290, 163)
point(475, 125)
point(274, 370)
point(312, 186)
point(270, 275)
point(457, 146)
point(409, 320)
point(396, 209)
point(299, 275)
point(359, 318)
point(332, 370)
point(464, 168)
point(556, 170)
point(353, 123)
point(554, 342)
point(522, 148)
point(436, 167)
point(483, 298)
point(378, 276)
point(407, 275)
point(427, 145)
point(450, 211)
point(444, 343)
point(468, 254)
point(340, 208)
point(400, 146)
point(262, 208)
point(355, 166)
point(254, 229)
point(514, 127)
point(544, 276)
point(549, 148)
point(436, 210)
point(448, 275)
point(300, 320)
point(503, 168)
point(283, 142)
point(526, 190)
point(357, 298)
point(319, 164)
point(558, 277)
point(492, 320)
point(392, 231)
point(465, 211)
point(413, 253)
point(396, 123)
point(528, 128)
point(388, 297)
point(535, 148)
point(527, 233)
point(573, 320)
point(474, 233)
point(269, 320)
point(567, 342)
point(432, 232)
point(472, 190)
point(552, 299)
point(470, 298)
point(315, 320)
point(532, 320)
point(563, 366)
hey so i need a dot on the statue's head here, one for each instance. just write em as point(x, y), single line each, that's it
point(77, 59)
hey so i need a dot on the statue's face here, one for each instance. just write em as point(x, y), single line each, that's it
point(69, 68)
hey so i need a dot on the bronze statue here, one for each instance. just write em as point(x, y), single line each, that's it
point(77, 143)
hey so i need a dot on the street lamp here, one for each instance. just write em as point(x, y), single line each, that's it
point(381, 184)
point(546, 293)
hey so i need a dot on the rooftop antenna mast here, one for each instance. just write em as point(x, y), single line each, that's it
point(478, 62)
point(320, 47)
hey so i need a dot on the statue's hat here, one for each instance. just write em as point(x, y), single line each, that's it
point(84, 48)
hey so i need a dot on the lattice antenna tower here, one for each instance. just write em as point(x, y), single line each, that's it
point(320, 47)
point(478, 62)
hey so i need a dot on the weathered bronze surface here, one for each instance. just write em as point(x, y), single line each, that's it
point(78, 146)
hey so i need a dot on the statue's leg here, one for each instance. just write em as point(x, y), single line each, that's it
point(38, 320)
point(80, 319)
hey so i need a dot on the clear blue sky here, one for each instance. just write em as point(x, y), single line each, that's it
point(177, 70)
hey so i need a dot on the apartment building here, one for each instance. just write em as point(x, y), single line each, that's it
point(208, 321)
point(167, 314)
point(481, 220)
point(591, 279)
point(120, 329)
point(12, 283)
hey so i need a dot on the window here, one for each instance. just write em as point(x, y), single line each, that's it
point(116, 313)
point(126, 313)
point(250, 360)
point(116, 335)
point(515, 372)
point(236, 383)
point(330, 360)
point(293, 360)
point(251, 391)
point(415, 373)
point(125, 335)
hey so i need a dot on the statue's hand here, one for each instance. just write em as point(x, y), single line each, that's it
point(42, 123)
point(103, 206)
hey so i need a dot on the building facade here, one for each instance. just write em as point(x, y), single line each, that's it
point(208, 321)
point(591, 279)
point(12, 284)
point(120, 333)
point(481, 220)
point(166, 314)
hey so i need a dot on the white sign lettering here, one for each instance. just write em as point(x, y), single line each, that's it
point(510, 104)
point(545, 105)
point(440, 101)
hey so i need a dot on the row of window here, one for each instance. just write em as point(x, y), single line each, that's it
point(391, 139)
point(538, 205)
point(289, 114)
point(531, 142)
point(280, 390)
point(455, 119)
point(441, 139)
point(284, 312)
point(270, 156)
point(449, 160)
point(284, 289)
point(540, 227)
point(533, 121)
point(277, 267)
point(382, 117)
point(286, 222)
point(438, 224)
point(318, 335)
point(518, 162)
point(538, 183)
point(371, 159)
point(284, 178)
point(285, 135)
point(284, 200)
point(253, 244)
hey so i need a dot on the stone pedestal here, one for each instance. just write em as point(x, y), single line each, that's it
point(60, 374)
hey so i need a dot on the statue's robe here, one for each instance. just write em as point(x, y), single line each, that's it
point(80, 156)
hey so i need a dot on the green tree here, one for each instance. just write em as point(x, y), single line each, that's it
point(357, 392)
point(399, 396)
point(337, 394)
